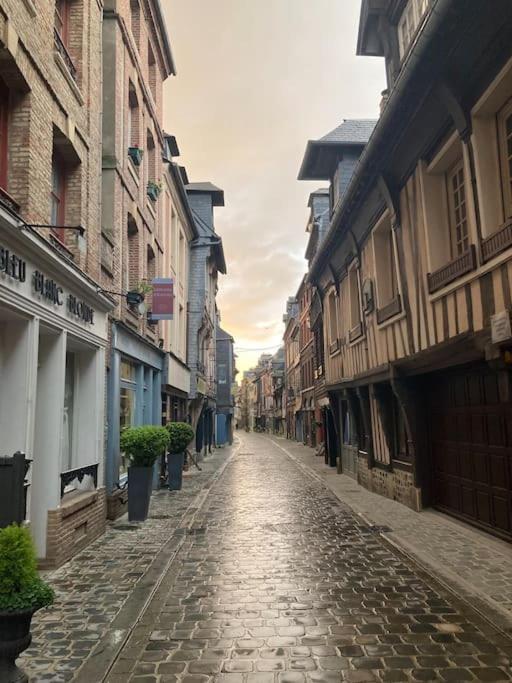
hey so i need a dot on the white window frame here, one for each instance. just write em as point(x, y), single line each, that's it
point(354, 298)
point(386, 266)
point(409, 22)
point(333, 319)
point(455, 221)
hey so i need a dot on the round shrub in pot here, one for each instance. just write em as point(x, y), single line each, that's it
point(143, 446)
point(22, 592)
point(180, 435)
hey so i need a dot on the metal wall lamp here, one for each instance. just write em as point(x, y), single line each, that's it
point(134, 299)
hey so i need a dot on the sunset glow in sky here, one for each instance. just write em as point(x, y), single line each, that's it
point(257, 79)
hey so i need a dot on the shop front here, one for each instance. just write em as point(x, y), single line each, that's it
point(175, 391)
point(53, 335)
point(134, 399)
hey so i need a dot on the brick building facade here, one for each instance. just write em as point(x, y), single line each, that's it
point(137, 60)
point(53, 330)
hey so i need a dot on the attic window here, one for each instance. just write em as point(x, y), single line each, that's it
point(409, 22)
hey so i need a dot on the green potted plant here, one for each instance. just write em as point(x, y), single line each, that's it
point(153, 190)
point(136, 153)
point(22, 592)
point(143, 446)
point(180, 435)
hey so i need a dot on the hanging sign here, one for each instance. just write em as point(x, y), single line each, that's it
point(163, 298)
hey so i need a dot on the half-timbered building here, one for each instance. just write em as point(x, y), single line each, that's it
point(415, 272)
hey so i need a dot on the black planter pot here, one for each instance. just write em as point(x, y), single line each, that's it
point(14, 639)
point(140, 482)
point(175, 468)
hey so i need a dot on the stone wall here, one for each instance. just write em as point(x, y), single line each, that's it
point(396, 484)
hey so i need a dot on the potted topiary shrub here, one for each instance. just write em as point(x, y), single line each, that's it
point(143, 446)
point(180, 435)
point(22, 592)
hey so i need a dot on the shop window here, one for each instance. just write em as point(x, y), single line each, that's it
point(135, 21)
point(505, 134)
point(58, 195)
point(68, 414)
point(459, 235)
point(127, 419)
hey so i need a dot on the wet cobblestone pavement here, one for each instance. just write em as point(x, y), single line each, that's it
point(277, 582)
point(93, 587)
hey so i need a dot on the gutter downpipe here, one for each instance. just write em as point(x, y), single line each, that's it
point(434, 21)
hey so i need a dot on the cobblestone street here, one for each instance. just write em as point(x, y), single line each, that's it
point(276, 580)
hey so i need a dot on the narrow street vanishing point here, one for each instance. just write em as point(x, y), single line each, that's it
point(278, 580)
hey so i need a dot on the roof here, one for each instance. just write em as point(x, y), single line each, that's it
point(223, 335)
point(351, 132)
point(321, 191)
point(170, 65)
point(322, 155)
point(208, 188)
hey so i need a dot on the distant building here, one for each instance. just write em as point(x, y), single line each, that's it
point(206, 262)
point(226, 373)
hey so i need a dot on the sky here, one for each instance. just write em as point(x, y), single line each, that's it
point(256, 79)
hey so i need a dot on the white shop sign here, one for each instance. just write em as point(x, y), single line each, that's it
point(501, 329)
point(27, 280)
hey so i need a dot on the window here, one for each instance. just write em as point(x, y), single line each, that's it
point(333, 318)
point(133, 253)
point(385, 262)
point(150, 167)
point(355, 309)
point(409, 22)
point(223, 373)
point(152, 71)
point(133, 132)
point(58, 195)
point(4, 133)
point(457, 208)
point(135, 21)
point(505, 130)
point(174, 229)
point(62, 20)
point(68, 414)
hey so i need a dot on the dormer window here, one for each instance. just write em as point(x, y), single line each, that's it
point(409, 21)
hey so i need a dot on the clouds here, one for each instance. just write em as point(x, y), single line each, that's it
point(256, 80)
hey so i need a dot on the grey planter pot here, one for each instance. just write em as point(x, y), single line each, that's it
point(14, 639)
point(140, 484)
point(175, 468)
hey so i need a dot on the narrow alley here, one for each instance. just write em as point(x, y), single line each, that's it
point(278, 578)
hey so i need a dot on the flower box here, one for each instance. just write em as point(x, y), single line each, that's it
point(136, 154)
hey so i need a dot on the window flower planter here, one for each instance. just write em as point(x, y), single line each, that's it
point(136, 154)
point(153, 191)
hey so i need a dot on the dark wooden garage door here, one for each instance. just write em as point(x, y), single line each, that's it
point(470, 423)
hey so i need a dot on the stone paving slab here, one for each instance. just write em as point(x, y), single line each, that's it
point(281, 582)
point(476, 565)
point(114, 570)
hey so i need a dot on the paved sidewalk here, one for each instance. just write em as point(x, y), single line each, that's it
point(476, 565)
point(118, 571)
